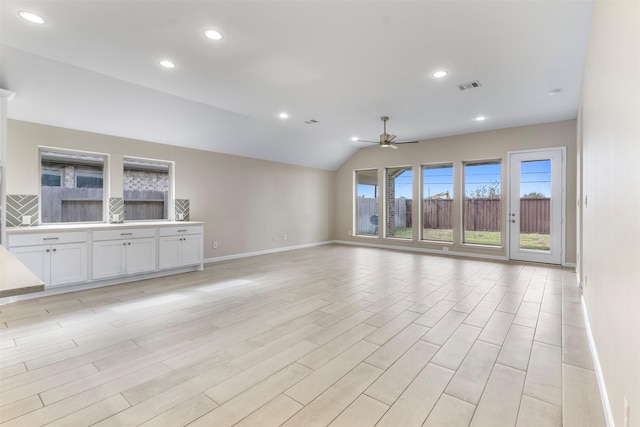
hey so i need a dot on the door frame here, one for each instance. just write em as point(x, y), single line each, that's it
point(563, 198)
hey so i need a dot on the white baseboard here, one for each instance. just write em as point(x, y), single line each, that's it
point(267, 251)
point(608, 415)
point(423, 250)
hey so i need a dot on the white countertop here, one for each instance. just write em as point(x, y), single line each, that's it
point(15, 278)
point(97, 226)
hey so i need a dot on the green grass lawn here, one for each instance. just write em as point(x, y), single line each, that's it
point(527, 241)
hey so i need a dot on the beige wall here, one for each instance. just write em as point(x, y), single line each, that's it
point(244, 202)
point(611, 199)
point(456, 149)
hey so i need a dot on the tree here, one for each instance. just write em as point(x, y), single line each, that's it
point(491, 191)
point(534, 195)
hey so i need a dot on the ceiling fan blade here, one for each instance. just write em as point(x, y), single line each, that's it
point(394, 146)
point(370, 142)
point(406, 142)
point(391, 138)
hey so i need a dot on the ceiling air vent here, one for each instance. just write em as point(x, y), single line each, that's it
point(470, 85)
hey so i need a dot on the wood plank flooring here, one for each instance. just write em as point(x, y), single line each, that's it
point(332, 335)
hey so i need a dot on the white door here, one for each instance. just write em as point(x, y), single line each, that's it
point(68, 263)
point(536, 205)
point(109, 259)
point(169, 252)
point(192, 250)
point(37, 259)
point(141, 255)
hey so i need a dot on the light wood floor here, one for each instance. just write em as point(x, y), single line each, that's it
point(332, 335)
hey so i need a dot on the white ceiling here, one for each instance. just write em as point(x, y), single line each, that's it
point(94, 66)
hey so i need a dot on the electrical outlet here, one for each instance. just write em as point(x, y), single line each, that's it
point(275, 237)
point(215, 245)
point(284, 237)
point(115, 217)
point(626, 412)
point(181, 216)
point(445, 249)
point(349, 232)
point(26, 219)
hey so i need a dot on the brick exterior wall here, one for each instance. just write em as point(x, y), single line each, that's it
point(145, 180)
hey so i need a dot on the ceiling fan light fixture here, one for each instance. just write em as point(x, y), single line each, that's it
point(439, 74)
point(31, 17)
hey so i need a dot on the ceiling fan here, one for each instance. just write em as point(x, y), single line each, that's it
point(387, 140)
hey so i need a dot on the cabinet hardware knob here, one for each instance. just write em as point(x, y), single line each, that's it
point(54, 250)
point(47, 250)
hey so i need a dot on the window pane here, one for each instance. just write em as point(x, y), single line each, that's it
point(398, 198)
point(146, 189)
point(482, 207)
point(89, 179)
point(71, 187)
point(367, 203)
point(535, 205)
point(437, 208)
point(50, 177)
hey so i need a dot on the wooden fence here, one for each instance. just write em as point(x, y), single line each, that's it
point(85, 204)
point(480, 214)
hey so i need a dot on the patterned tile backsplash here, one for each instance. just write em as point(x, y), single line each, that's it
point(22, 210)
point(116, 210)
point(181, 207)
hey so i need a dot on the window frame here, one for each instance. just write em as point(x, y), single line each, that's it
point(481, 162)
point(385, 208)
point(105, 157)
point(438, 165)
point(171, 215)
point(356, 210)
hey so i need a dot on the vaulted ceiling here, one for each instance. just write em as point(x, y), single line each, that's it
point(94, 66)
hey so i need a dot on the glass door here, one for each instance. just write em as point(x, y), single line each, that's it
point(536, 205)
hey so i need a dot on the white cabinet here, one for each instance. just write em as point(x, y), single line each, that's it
point(57, 259)
point(180, 246)
point(123, 252)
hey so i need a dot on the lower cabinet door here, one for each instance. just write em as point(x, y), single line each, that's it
point(169, 249)
point(141, 255)
point(36, 259)
point(192, 250)
point(68, 263)
point(109, 259)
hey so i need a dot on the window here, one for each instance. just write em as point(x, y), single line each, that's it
point(89, 179)
point(398, 197)
point(366, 203)
point(437, 202)
point(482, 207)
point(51, 177)
point(71, 186)
point(147, 189)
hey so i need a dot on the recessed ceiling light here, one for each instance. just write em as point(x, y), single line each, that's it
point(439, 74)
point(167, 64)
point(213, 35)
point(555, 92)
point(283, 115)
point(480, 118)
point(355, 138)
point(31, 17)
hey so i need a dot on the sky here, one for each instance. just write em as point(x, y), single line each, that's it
point(535, 176)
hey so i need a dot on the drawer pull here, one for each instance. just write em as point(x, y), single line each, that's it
point(126, 234)
point(50, 238)
point(182, 231)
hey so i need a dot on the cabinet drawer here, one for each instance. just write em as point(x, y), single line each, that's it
point(177, 231)
point(47, 238)
point(124, 233)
